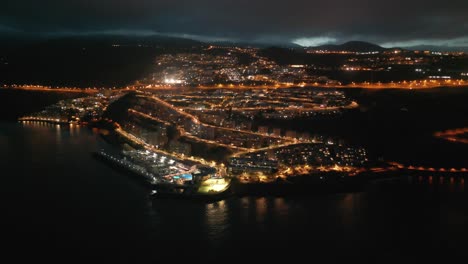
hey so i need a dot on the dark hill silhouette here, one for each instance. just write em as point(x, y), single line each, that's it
point(124, 40)
point(353, 46)
point(297, 56)
point(97, 40)
point(84, 61)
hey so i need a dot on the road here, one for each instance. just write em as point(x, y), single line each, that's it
point(406, 85)
point(428, 169)
point(39, 88)
point(454, 135)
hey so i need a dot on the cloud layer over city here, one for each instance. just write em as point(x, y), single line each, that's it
point(305, 22)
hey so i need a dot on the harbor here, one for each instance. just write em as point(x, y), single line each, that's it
point(166, 177)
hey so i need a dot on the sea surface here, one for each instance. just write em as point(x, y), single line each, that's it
point(58, 202)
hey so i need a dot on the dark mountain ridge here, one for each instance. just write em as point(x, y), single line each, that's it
point(353, 46)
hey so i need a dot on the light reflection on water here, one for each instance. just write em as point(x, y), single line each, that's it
point(439, 183)
point(88, 189)
point(217, 219)
point(281, 207)
point(261, 208)
point(59, 188)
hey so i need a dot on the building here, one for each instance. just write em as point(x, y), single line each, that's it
point(305, 136)
point(244, 125)
point(252, 164)
point(291, 133)
point(263, 130)
point(208, 132)
point(179, 147)
point(277, 132)
point(191, 127)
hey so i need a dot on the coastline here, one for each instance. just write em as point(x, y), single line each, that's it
point(302, 185)
point(297, 185)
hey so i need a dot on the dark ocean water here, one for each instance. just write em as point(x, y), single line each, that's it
point(60, 202)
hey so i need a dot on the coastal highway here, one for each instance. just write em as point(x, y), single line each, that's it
point(404, 85)
point(40, 88)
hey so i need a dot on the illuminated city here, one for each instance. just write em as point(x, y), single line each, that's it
point(215, 108)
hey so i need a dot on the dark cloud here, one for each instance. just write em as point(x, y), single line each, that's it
point(305, 21)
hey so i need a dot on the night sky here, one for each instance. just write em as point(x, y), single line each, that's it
point(306, 22)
